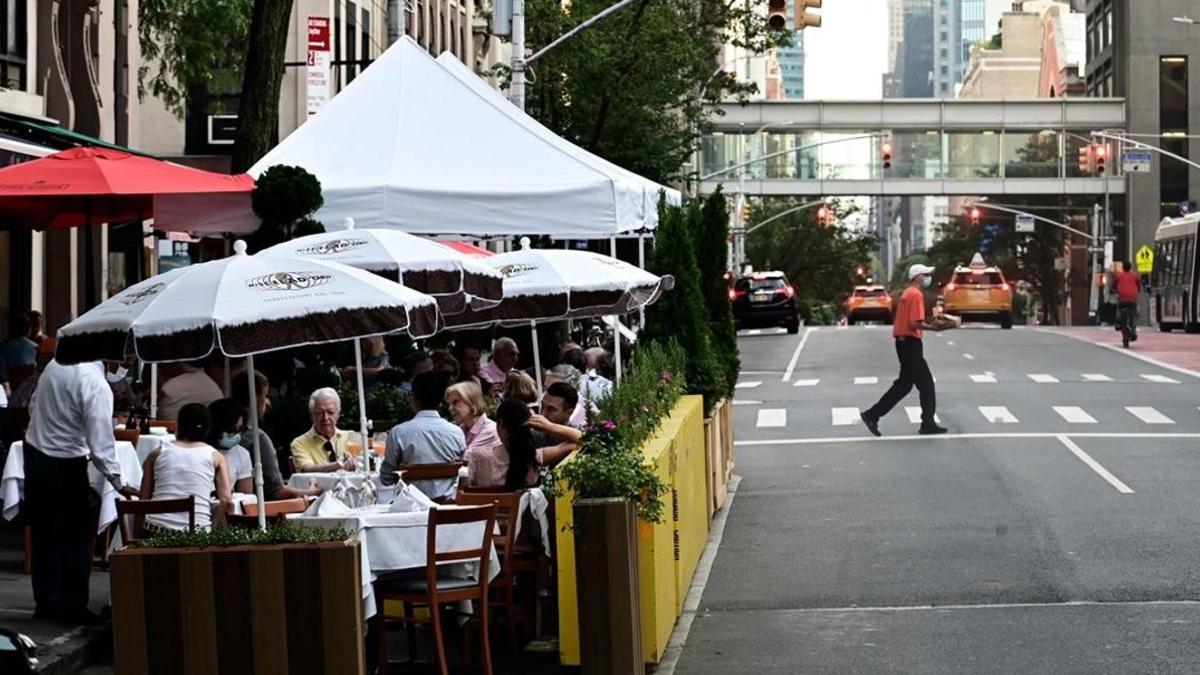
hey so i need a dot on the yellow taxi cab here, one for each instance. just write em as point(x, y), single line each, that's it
point(979, 292)
point(868, 303)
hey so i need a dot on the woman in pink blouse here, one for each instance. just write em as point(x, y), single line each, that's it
point(465, 400)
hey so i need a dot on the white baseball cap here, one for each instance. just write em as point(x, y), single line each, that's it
point(919, 269)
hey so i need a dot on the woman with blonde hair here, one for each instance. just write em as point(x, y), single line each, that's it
point(465, 400)
point(520, 387)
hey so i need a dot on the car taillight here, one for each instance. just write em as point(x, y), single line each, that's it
point(789, 291)
point(734, 294)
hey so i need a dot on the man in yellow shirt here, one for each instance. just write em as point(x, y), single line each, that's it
point(323, 447)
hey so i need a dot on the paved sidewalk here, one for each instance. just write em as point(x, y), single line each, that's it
point(62, 648)
point(1177, 349)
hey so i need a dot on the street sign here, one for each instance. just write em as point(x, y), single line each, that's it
point(1025, 224)
point(1136, 161)
point(318, 64)
point(1145, 260)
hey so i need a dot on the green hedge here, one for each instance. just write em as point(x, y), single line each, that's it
point(710, 234)
point(274, 535)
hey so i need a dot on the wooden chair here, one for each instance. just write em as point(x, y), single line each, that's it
point(171, 425)
point(414, 472)
point(436, 590)
point(138, 510)
point(508, 513)
point(277, 508)
point(131, 435)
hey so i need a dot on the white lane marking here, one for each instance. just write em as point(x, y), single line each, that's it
point(747, 385)
point(741, 401)
point(1074, 415)
point(1131, 354)
point(787, 374)
point(754, 331)
point(968, 357)
point(914, 414)
point(993, 435)
point(806, 383)
point(1149, 415)
point(1095, 466)
point(1160, 379)
point(772, 417)
point(844, 417)
point(949, 343)
point(1096, 377)
point(997, 413)
point(866, 380)
point(759, 372)
point(779, 331)
point(1043, 378)
point(984, 378)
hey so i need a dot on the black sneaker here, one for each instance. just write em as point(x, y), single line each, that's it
point(933, 430)
point(872, 423)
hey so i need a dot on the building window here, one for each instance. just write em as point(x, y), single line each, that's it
point(1173, 93)
point(13, 44)
point(351, 42)
point(365, 45)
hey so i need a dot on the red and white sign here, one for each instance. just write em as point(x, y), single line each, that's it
point(319, 60)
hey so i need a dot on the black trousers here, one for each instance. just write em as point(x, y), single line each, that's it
point(913, 372)
point(58, 505)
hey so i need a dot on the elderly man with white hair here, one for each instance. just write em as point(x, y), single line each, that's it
point(323, 447)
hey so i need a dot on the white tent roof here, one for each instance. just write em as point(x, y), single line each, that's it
point(410, 146)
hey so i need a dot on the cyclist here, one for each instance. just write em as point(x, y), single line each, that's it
point(1127, 285)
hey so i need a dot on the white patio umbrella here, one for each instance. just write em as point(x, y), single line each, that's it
point(457, 281)
point(550, 284)
point(241, 306)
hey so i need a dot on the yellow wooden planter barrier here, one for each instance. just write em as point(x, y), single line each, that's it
point(668, 552)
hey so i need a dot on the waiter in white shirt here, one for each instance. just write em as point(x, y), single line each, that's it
point(70, 419)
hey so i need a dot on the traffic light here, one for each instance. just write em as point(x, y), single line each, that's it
point(776, 14)
point(975, 215)
point(885, 152)
point(803, 18)
point(745, 212)
point(1101, 155)
point(1085, 160)
point(823, 215)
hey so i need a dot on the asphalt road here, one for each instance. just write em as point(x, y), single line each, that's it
point(1055, 530)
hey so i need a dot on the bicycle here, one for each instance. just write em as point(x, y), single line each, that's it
point(1127, 322)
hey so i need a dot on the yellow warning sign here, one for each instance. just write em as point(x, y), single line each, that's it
point(1145, 260)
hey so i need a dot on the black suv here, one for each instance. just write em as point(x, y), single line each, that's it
point(764, 299)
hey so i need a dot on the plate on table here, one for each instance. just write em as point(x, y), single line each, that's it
point(158, 431)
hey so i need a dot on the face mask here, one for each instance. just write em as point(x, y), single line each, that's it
point(230, 440)
point(116, 377)
point(927, 282)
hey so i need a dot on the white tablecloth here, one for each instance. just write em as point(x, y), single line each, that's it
point(397, 541)
point(12, 483)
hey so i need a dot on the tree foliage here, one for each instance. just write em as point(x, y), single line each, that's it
point(820, 260)
point(285, 199)
point(710, 234)
point(633, 88)
point(262, 77)
point(190, 44)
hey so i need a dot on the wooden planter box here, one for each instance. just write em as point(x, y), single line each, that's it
point(718, 447)
point(610, 624)
point(261, 610)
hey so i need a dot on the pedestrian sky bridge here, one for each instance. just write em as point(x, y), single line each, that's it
point(939, 147)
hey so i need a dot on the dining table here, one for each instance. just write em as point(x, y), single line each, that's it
point(12, 482)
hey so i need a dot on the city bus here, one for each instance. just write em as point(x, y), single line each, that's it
point(1173, 281)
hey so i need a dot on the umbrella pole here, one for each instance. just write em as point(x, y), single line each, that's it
point(537, 357)
point(362, 403)
point(617, 344)
point(153, 391)
point(258, 477)
point(227, 385)
point(642, 264)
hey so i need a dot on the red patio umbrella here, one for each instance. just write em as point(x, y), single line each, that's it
point(84, 186)
point(467, 249)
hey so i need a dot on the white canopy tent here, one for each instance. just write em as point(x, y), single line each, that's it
point(409, 145)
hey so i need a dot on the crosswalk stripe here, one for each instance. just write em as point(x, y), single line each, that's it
point(754, 331)
point(806, 383)
point(845, 416)
point(747, 385)
point(1149, 415)
point(997, 413)
point(1074, 415)
point(983, 378)
point(1042, 378)
point(772, 417)
point(745, 401)
point(968, 357)
point(1160, 379)
point(914, 414)
point(1096, 377)
point(866, 380)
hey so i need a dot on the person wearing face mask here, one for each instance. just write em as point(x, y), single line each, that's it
point(124, 397)
point(908, 328)
point(225, 434)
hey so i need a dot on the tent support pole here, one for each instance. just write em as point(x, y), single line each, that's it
point(153, 391)
point(253, 412)
point(642, 265)
point(537, 357)
point(362, 404)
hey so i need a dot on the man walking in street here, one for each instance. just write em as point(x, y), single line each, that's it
point(907, 328)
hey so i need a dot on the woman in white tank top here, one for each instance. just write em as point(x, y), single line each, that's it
point(187, 467)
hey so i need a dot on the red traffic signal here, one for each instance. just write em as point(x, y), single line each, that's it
point(824, 215)
point(975, 215)
point(1101, 155)
point(777, 14)
point(885, 151)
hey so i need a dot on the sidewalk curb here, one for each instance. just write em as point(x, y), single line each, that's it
point(1126, 352)
point(74, 650)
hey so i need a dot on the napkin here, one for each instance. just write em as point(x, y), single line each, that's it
point(409, 499)
point(328, 506)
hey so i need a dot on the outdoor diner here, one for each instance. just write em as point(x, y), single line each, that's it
point(477, 417)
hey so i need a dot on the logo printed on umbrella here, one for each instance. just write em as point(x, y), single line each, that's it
point(517, 269)
point(134, 297)
point(289, 281)
point(611, 262)
point(333, 246)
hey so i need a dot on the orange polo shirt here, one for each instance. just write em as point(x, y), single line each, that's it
point(911, 308)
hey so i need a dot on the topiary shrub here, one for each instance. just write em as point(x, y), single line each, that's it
point(284, 198)
point(710, 234)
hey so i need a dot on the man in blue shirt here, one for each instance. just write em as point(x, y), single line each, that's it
point(425, 439)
